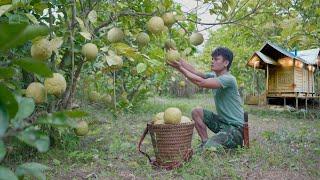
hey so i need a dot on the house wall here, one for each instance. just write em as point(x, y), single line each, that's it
point(311, 82)
point(280, 79)
point(300, 80)
point(285, 80)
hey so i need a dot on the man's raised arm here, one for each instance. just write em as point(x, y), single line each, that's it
point(190, 68)
point(199, 81)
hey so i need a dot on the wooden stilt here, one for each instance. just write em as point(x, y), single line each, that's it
point(285, 102)
point(297, 102)
point(306, 104)
point(246, 131)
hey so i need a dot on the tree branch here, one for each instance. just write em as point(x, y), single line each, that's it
point(121, 14)
point(254, 11)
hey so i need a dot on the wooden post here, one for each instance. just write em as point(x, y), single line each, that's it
point(306, 101)
point(297, 101)
point(285, 101)
point(267, 84)
point(294, 87)
point(246, 131)
point(294, 74)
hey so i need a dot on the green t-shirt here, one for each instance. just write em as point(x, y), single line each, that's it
point(227, 99)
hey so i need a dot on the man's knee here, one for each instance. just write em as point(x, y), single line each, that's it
point(197, 113)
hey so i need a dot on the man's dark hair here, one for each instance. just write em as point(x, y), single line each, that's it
point(225, 53)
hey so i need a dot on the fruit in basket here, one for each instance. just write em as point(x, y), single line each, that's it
point(172, 115)
point(158, 116)
point(182, 83)
point(160, 121)
point(185, 119)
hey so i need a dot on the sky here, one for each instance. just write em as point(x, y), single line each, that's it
point(203, 14)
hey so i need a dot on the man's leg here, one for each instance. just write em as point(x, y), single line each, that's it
point(197, 116)
point(228, 137)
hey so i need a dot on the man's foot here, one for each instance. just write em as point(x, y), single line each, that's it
point(201, 146)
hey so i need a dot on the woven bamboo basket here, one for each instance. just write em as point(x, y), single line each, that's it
point(171, 143)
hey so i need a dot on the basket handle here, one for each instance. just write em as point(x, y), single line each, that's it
point(145, 132)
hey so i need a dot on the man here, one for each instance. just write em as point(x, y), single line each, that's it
point(228, 122)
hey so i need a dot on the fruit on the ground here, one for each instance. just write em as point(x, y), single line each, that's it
point(170, 44)
point(172, 115)
point(143, 39)
point(115, 35)
point(106, 98)
point(82, 128)
point(41, 49)
point(168, 18)
point(185, 119)
point(196, 39)
point(155, 24)
point(90, 51)
point(94, 96)
point(36, 91)
point(172, 55)
point(124, 97)
point(158, 116)
point(56, 85)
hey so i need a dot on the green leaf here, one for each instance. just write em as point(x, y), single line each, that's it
point(39, 7)
point(32, 18)
point(26, 108)
point(34, 66)
point(4, 120)
point(58, 119)
point(2, 2)
point(32, 169)
point(167, 3)
point(86, 35)
point(8, 101)
point(6, 72)
point(125, 50)
point(5, 8)
point(92, 16)
point(2, 150)
point(13, 35)
point(7, 174)
point(35, 138)
point(81, 24)
point(75, 113)
point(141, 67)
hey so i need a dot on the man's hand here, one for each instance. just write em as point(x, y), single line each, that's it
point(175, 64)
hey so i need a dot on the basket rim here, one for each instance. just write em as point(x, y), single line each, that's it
point(180, 124)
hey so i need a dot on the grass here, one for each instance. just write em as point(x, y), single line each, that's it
point(283, 145)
